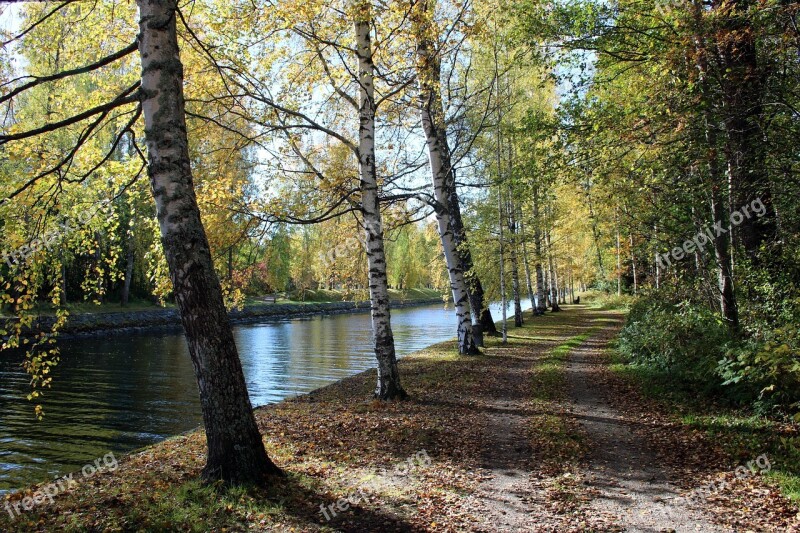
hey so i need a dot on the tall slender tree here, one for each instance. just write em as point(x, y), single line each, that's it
point(514, 241)
point(236, 451)
point(435, 129)
point(389, 387)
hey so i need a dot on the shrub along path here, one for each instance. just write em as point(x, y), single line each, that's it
point(536, 435)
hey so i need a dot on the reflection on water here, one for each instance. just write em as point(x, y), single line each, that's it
point(127, 390)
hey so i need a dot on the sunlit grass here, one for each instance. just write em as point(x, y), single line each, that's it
point(742, 434)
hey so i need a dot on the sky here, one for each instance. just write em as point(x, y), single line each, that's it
point(10, 22)
point(9, 16)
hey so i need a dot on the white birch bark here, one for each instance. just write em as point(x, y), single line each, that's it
point(526, 264)
point(503, 300)
point(433, 124)
point(553, 277)
point(541, 303)
point(515, 286)
point(388, 386)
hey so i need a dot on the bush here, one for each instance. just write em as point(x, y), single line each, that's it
point(688, 343)
point(769, 368)
point(767, 301)
point(683, 339)
point(767, 363)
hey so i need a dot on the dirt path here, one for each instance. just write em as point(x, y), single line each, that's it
point(617, 484)
point(519, 492)
point(505, 496)
point(623, 473)
point(507, 457)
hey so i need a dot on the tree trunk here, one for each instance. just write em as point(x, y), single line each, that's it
point(547, 286)
point(433, 124)
point(743, 88)
point(129, 263)
point(388, 387)
point(595, 232)
point(553, 279)
point(527, 265)
point(482, 315)
point(721, 243)
point(728, 305)
point(503, 301)
point(477, 298)
point(633, 267)
point(541, 305)
point(619, 262)
point(657, 262)
point(515, 287)
point(236, 453)
point(571, 285)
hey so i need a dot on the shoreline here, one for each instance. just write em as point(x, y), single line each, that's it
point(91, 324)
point(356, 381)
point(341, 405)
point(309, 396)
point(250, 314)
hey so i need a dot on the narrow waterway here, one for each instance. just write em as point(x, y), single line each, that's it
point(125, 390)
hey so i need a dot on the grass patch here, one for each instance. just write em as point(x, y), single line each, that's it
point(549, 385)
point(561, 352)
point(603, 301)
point(325, 295)
point(741, 433)
point(549, 373)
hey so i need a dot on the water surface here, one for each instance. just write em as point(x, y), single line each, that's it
point(125, 390)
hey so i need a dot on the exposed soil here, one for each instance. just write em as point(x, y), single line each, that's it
point(627, 481)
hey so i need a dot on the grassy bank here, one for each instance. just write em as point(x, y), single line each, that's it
point(310, 296)
point(411, 465)
point(742, 434)
point(325, 295)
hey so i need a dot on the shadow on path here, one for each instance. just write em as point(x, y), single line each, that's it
point(621, 471)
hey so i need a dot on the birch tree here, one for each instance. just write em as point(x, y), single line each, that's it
point(236, 452)
point(335, 58)
point(388, 387)
point(435, 129)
